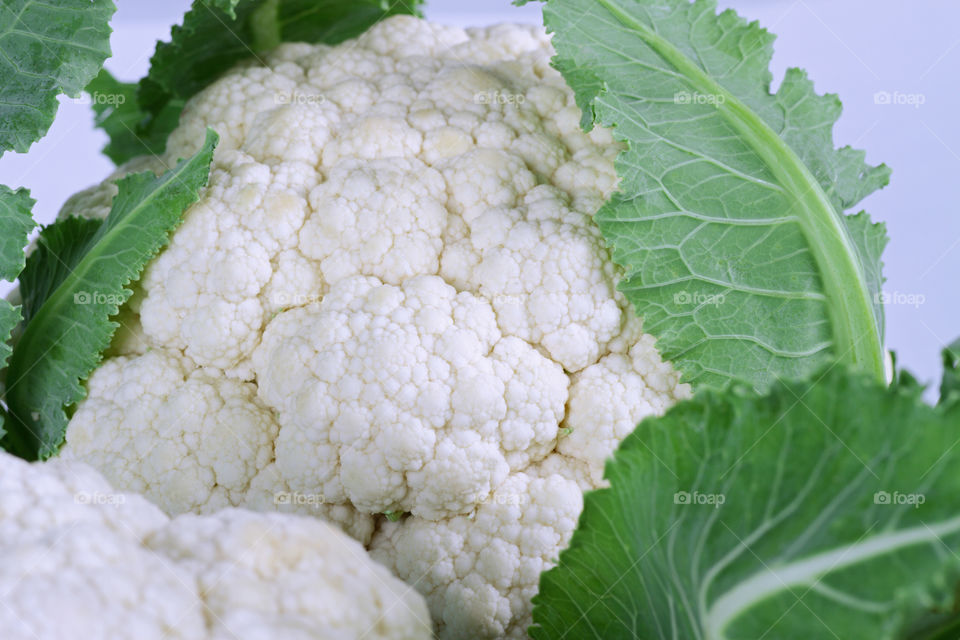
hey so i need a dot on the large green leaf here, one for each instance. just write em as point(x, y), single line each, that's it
point(83, 278)
point(823, 510)
point(214, 36)
point(729, 222)
point(46, 48)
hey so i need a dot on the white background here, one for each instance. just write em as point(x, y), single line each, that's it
point(855, 48)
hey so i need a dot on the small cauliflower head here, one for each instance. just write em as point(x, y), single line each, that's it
point(390, 300)
point(111, 565)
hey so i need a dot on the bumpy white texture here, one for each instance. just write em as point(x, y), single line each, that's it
point(363, 198)
point(405, 398)
point(416, 149)
point(268, 576)
point(187, 439)
point(384, 218)
point(609, 398)
point(75, 566)
point(83, 562)
point(480, 571)
point(208, 293)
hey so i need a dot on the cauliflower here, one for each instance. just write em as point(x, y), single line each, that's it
point(391, 309)
point(70, 544)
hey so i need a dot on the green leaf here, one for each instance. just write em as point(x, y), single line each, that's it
point(132, 132)
point(60, 248)
point(901, 377)
point(937, 625)
point(46, 48)
point(950, 385)
point(83, 287)
point(333, 21)
point(15, 225)
point(217, 34)
point(729, 223)
point(823, 510)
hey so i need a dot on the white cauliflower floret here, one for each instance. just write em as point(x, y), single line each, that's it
point(405, 37)
point(267, 576)
point(607, 400)
point(543, 266)
point(82, 562)
point(379, 218)
point(202, 294)
point(404, 398)
point(478, 572)
point(232, 108)
point(192, 439)
point(397, 251)
point(75, 566)
point(270, 491)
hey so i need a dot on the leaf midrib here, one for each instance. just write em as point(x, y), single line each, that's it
point(857, 339)
point(807, 572)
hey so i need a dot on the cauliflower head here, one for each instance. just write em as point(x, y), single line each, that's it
point(390, 308)
point(112, 565)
